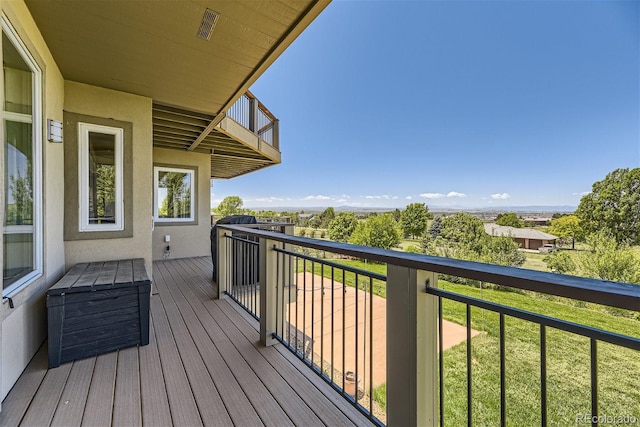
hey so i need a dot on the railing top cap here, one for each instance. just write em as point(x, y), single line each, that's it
point(616, 294)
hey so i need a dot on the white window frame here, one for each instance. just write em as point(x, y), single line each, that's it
point(156, 179)
point(35, 119)
point(83, 176)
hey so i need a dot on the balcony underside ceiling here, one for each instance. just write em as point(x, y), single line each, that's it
point(177, 129)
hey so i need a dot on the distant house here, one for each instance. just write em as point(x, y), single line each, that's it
point(527, 238)
point(530, 222)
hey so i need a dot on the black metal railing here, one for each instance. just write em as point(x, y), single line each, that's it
point(328, 322)
point(241, 252)
point(243, 273)
point(544, 322)
point(301, 278)
point(249, 112)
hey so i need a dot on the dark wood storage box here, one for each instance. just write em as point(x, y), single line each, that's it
point(97, 308)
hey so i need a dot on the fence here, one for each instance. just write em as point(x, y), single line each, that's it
point(346, 322)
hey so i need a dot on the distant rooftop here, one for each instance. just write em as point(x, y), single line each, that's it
point(518, 233)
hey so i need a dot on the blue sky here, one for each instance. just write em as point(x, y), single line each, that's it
point(451, 103)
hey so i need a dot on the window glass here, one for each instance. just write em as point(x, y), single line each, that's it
point(101, 204)
point(174, 194)
point(21, 228)
point(102, 178)
point(18, 92)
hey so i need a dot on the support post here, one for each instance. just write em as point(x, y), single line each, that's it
point(290, 288)
point(253, 114)
point(412, 350)
point(269, 301)
point(276, 134)
point(225, 258)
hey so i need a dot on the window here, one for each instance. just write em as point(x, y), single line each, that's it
point(21, 174)
point(174, 194)
point(100, 176)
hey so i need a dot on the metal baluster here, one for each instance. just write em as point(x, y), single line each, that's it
point(469, 394)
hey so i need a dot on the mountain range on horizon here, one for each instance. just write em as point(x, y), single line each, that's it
point(434, 208)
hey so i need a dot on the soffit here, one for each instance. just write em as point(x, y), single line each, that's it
point(175, 128)
point(150, 48)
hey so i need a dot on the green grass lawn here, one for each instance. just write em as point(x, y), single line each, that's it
point(405, 243)
point(535, 261)
point(568, 373)
point(568, 361)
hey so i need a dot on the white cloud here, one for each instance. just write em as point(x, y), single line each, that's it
point(269, 199)
point(456, 194)
point(341, 200)
point(383, 196)
point(432, 195)
point(318, 197)
point(584, 193)
point(501, 196)
point(408, 197)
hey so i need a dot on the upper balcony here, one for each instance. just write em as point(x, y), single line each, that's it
point(242, 140)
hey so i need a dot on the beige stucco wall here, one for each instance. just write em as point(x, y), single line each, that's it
point(90, 100)
point(186, 240)
point(23, 328)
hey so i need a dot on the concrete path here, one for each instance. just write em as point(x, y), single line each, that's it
point(323, 306)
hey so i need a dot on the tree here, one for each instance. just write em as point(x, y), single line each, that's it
point(379, 231)
point(462, 236)
point(607, 259)
point(509, 220)
point(501, 250)
point(264, 214)
point(464, 228)
point(342, 226)
point(326, 217)
point(315, 222)
point(230, 205)
point(614, 206)
point(560, 262)
point(436, 227)
point(414, 219)
point(177, 202)
point(567, 227)
point(21, 211)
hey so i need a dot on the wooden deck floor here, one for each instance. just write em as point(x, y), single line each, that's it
point(203, 366)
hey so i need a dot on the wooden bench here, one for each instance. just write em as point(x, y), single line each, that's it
point(97, 308)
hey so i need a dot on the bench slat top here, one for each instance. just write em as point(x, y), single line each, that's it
point(101, 275)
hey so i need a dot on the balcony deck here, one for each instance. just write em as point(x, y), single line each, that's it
point(203, 366)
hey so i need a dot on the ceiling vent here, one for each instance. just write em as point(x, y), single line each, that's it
point(208, 23)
